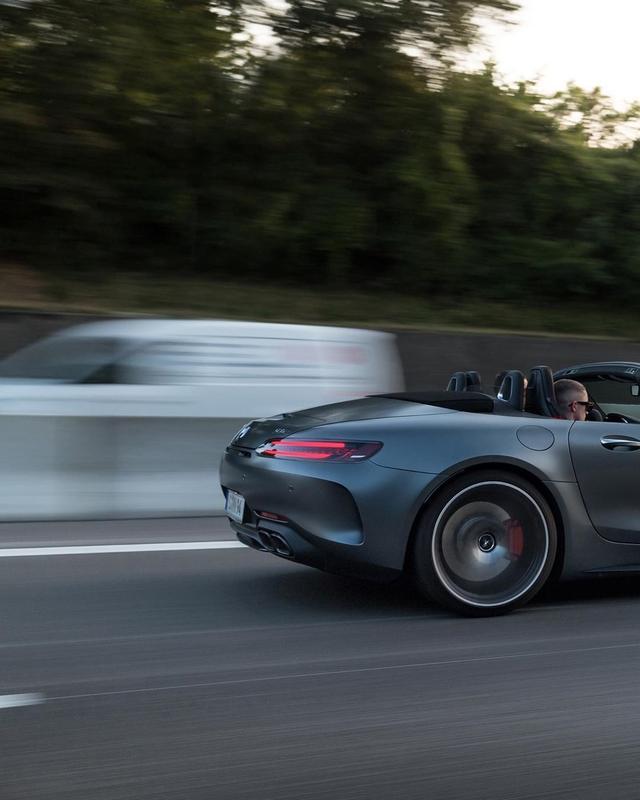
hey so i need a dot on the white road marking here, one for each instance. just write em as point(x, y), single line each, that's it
point(97, 549)
point(18, 700)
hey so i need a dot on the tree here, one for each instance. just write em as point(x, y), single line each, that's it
point(355, 171)
point(591, 115)
point(110, 113)
point(430, 28)
point(149, 136)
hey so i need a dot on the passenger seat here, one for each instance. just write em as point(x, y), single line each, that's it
point(541, 396)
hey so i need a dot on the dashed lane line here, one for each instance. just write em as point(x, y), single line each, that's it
point(20, 700)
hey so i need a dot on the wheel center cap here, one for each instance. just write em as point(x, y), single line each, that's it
point(487, 542)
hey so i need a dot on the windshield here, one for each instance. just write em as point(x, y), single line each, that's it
point(61, 358)
point(614, 395)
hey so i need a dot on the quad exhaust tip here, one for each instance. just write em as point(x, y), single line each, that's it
point(275, 543)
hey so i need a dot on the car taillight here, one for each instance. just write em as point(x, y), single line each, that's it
point(318, 450)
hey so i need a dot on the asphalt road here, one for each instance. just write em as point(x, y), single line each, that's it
point(225, 673)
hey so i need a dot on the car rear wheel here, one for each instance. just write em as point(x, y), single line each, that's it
point(486, 545)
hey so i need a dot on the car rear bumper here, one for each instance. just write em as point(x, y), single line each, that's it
point(290, 544)
point(351, 519)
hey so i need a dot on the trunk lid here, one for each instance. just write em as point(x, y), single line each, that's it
point(255, 433)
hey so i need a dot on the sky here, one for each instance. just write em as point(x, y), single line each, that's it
point(590, 42)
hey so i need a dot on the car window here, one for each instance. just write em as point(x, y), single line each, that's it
point(72, 359)
point(615, 395)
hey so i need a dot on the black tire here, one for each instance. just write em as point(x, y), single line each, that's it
point(485, 545)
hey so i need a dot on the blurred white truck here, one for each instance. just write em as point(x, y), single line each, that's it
point(130, 417)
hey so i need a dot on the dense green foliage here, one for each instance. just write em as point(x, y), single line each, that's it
point(146, 135)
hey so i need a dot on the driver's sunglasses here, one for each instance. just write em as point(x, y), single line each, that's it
point(586, 403)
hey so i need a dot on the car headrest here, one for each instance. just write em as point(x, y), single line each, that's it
point(541, 396)
point(457, 382)
point(464, 382)
point(474, 381)
point(595, 415)
point(512, 389)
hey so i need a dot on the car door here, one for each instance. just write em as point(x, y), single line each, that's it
point(606, 458)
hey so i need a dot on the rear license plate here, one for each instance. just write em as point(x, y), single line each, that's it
point(234, 506)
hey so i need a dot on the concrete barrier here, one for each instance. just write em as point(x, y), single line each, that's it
point(66, 467)
point(430, 357)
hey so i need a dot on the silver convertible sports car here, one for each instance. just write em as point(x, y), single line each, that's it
point(482, 498)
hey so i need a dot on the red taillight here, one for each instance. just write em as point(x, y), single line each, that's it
point(317, 450)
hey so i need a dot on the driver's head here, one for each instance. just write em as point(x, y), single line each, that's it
point(572, 399)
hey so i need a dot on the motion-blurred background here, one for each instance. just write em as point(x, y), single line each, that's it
point(324, 162)
point(316, 160)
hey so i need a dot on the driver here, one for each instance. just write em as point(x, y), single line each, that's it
point(572, 399)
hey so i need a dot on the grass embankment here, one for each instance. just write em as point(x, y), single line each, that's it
point(23, 289)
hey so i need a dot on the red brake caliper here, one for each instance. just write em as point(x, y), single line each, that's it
point(515, 537)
